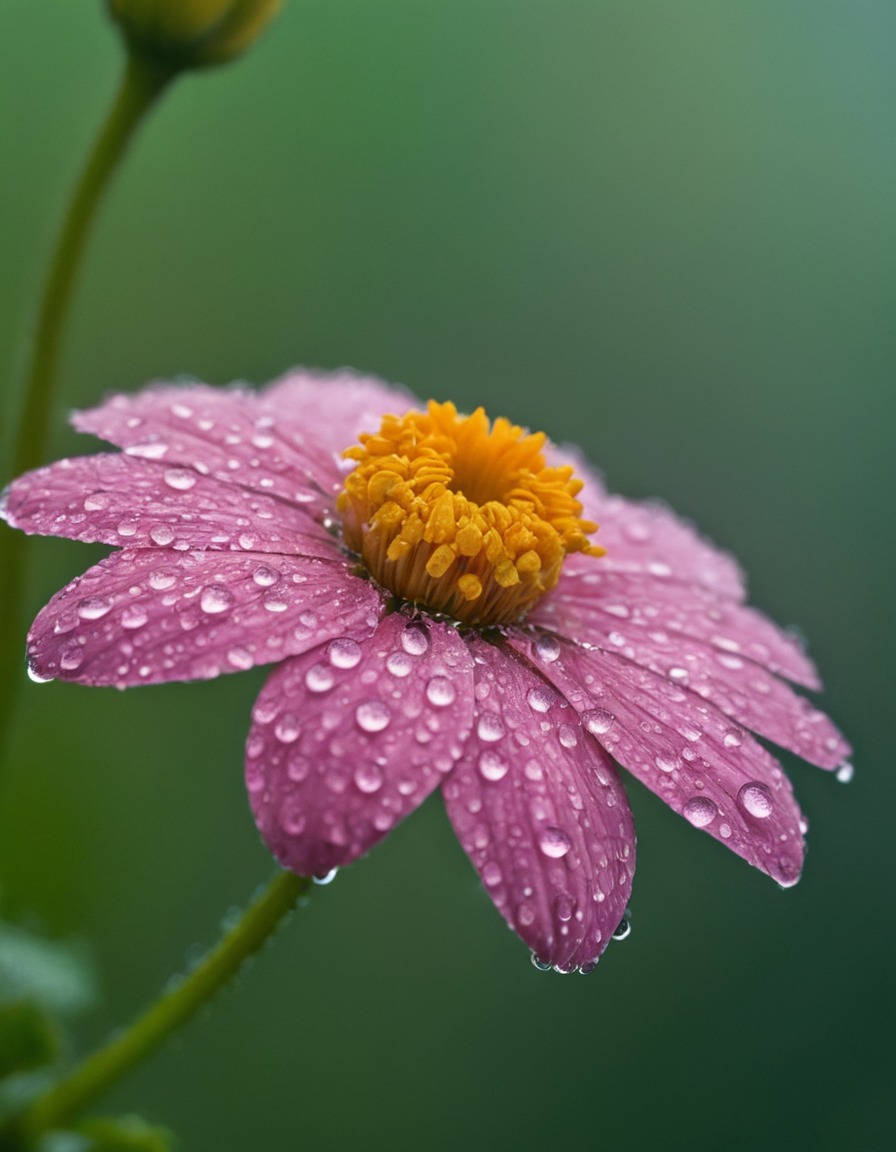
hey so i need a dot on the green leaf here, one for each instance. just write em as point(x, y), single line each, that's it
point(30, 1037)
point(124, 1134)
point(55, 974)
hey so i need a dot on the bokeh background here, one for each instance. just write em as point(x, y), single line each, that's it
point(663, 230)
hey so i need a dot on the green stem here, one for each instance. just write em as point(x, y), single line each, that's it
point(141, 85)
point(90, 1079)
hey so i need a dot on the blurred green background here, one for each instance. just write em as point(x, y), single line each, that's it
point(663, 230)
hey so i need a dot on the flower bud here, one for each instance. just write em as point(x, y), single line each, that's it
point(182, 34)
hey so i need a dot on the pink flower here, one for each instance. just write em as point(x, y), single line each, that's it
point(439, 616)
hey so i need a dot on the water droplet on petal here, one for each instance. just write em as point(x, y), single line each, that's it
point(96, 502)
point(541, 965)
point(540, 699)
point(440, 692)
point(239, 657)
point(490, 727)
point(327, 878)
point(845, 772)
point(319, 678)
point(71, 657)
point(34, 675)
point(162, 579)
point(700, 811)
point(134, 616)
point(547, 647)
point(491, 874)
point(215, 598)
point(287, 728)
point(598, 721)
point(154, 450)
point(372, 715)
point(624, 928)
point(399, 664)
point(161, 534)
point(94, 607)
point(756, 799)
point(492, 767)
point(567, 735)
point(368, 778)
point(414, 640)
point(732, 738)
point(554, 843)
point(265, 576)
point(344, 653)
point(180, 479)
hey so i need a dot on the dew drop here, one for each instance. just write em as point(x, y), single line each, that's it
point(180, 479)
point(490, 727)
point(845, 772)
point(525, 915)
point(94, 607)
point(414, 640)
point(127, 528)
point(667, 762)
point(547, 647)
point(756, 799)
point(155, 450)
point(96, 502)
point(540, 699)
point(71, 657)
point(368, 778)
point(265, 576)
point(319, 678)
point(598, 721)
point(624, 928)
point(326, 878)
point(287, 728)
point(34, 675)
point(161, 534)
point(491, 874)
point(134, 616)
point(541, 965)
point(554, 842)
point(567, 735)
point(344, 653)
point(700, 811)
point(440, 692)
point(732, 738)
point(239, 657)
point(215, 598)
point(275, 601)
point(372, 715)
point(399, 664)
point(492, 767)
point(162, 579)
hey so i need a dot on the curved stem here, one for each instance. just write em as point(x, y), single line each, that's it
point(141, 85)
point(174, 1008)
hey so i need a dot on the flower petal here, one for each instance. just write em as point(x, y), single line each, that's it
point(334, 408)
point(541, 812)
point(705, 768)
point(347, 740)
point(640, 534)
point(141, 617)
point(591, 602)
point(128, 502)
point(226, 433)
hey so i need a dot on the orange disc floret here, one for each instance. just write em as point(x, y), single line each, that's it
point(462, 515)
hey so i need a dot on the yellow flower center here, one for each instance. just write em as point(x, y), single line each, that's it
point(460, 515)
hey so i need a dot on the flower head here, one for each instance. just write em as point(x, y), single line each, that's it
point(431, 590)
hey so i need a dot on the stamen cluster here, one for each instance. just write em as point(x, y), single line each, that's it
point(460, 515)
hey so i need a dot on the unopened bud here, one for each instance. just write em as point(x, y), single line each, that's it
point(182, 34)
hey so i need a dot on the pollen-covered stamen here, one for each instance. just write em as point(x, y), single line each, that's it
point(461, 515)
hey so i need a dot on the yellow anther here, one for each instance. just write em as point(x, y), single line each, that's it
point(462, 516)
